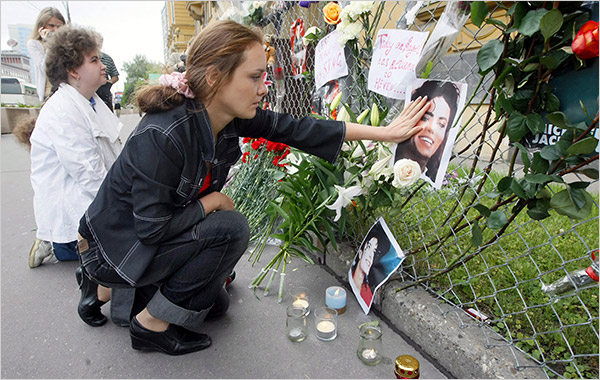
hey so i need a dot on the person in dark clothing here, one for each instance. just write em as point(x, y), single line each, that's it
point(160, 222)
point(112, 77)
point(118, 109)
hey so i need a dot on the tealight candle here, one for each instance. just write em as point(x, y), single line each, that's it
point(326, 330)
point(326, 323)
point(300, 298)
point(335, 298)
point(300, 303)
point(369, 348)
point(369, 354)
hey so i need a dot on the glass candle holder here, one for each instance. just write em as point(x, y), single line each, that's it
point(370, 346)
point(325, 323)
point(297, 329)
point(300, 298)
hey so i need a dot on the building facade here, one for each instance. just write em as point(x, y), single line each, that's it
point(16, 64)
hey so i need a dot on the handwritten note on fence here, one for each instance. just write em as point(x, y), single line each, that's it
point(330, 62)
point(395, 58)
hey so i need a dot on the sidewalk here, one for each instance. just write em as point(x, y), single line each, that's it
point(43, 337)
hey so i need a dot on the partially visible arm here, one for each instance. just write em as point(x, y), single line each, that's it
point(399, 130)
point(38, 65)
point(114, 79)
point(76, 148)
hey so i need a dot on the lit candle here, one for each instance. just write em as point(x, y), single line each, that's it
point(300, 303)
point(335, 298)
point(369, 354)
point(326, 330)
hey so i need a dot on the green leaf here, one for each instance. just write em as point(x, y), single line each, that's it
point(496, 220)
point(590, 173)
point(549, 62)
point(564, 205)
point(531, 67)
point(531, 22)
point(425, 74)
point(492, 21)
point(479, 10)
point(565, 141)
point(539, 164)
point(489, 55)
point(552, 103)
point(498, 82)
point(584, 146)
point(516, 126)
point(493, 194)
point(538, 209)
point(279, 210)
point(477, 236)
point(520, 100)
point(516, 187)
point(550, 153)
point(559, 119)
point(578, 196)
point(504, 184)
point(519, 10)
point(551, 23)
point(529, 188)
point(524, 156)
point(538, 178)
point(535, 123)
point(483, 210)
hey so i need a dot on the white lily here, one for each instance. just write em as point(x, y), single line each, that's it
point(343, 115)
point(383, 165)
point(294, 159)
point(359, 152)
point(344, 198)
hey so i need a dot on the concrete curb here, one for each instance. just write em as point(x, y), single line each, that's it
point(447, 335)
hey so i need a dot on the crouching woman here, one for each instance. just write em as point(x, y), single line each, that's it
point(159, 220)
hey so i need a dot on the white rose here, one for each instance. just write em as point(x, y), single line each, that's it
point(406, 172)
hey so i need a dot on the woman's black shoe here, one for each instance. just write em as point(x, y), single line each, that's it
point(89, 304)
point(173, 341)
point(219, 308)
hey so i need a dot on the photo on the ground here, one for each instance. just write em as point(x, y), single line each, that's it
point(378, 257)
point(432, 147)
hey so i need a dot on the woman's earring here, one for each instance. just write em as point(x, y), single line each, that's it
point(77, 84)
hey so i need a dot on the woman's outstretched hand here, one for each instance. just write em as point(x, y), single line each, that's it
point(404, 126)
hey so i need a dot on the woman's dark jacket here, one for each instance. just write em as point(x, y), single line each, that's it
point(150, 194)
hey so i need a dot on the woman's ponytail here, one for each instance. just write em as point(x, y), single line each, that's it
point(158, 98)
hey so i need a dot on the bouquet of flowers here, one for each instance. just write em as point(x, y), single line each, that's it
point(254, 183)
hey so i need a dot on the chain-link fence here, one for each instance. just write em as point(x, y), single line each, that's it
point(502, 288)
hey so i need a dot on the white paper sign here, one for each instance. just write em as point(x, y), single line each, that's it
point(330, 61)
point(395, 57)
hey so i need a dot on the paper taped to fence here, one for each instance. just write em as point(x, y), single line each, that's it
point(330, 61)
point(395, 57)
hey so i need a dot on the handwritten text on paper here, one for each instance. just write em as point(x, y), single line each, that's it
point(330, 62)
point(395, 58)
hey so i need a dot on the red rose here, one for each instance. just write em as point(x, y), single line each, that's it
point(245, 157)
point(585, 43)
point(246, 140)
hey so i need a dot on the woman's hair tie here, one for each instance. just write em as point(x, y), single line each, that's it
point(178, 81)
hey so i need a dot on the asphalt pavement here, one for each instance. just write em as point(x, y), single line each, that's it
point(43, 337)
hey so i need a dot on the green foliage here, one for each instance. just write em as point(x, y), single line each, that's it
point(139, 68)
point(479, 10)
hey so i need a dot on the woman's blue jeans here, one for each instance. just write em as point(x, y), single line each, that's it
point(189, 270)
point(66, 251)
